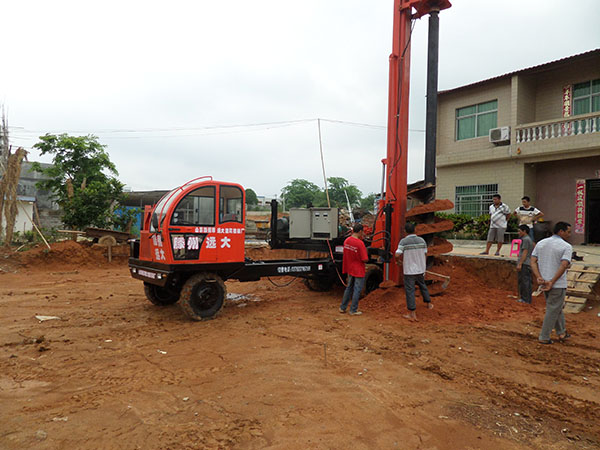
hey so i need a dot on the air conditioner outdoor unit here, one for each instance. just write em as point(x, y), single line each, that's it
point(500, 135)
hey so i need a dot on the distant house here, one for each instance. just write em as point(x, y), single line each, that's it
point(533, 132)
point(33, 203)
point(24, 214)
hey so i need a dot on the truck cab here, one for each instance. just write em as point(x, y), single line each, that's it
point(200, 222)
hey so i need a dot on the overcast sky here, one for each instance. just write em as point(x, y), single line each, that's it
point(232, 88)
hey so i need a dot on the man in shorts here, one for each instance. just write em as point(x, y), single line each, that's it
point(499, 213)
point(528, 215)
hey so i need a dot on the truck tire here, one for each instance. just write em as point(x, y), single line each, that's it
point(373, 278)
point(160, 296)
point(319, 284)
point(202, 296)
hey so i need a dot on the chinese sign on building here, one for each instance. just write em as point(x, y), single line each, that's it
point(567, 100)
point(579, 206)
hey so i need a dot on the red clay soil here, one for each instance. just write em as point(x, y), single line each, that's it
point(437, 227)
point(467, 299)
point(281, 368)
point(439, 247)
point(71, 253)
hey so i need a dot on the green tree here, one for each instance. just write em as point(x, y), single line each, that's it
point(81, 179)
point(338, 188)
point(251, 198)
point(299, 193)
point(320, 198)
point(368, 202)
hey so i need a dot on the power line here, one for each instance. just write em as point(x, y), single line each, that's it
point(209, 130)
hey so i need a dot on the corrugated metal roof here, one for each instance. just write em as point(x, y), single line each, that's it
point(533, 69)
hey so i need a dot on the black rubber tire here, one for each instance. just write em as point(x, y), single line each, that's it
point(203, 296)
point(160, 296)
point(373, 278)
point(321, 284)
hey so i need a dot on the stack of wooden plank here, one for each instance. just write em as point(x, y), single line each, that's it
point(582, 285)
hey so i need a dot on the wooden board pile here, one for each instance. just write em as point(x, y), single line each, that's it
point(582, 285)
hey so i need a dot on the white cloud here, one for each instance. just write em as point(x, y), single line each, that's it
point(92, 67)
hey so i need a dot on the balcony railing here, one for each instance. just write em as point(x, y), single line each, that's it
point(568, 126)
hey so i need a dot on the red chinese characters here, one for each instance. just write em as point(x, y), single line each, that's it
point(579, 207)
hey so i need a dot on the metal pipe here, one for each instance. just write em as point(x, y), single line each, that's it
point(432, 87)
point(382, 181)
point(274, 214)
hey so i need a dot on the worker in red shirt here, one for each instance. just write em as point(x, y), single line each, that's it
point(355, 257)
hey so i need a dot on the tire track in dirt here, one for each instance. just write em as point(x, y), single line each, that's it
point(544, 402)
point(505, 391)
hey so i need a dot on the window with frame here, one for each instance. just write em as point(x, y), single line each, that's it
point(586, 97)
point(230, 204)
point(196, 208)
point(474, 200)
point(476, 120)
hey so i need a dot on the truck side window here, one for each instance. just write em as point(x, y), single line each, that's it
point(196, 208)
point(230, 204)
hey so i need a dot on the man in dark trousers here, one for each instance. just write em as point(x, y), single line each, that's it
point(524, 265)
point(550, 260)
point(355, 257)
point(412, 253)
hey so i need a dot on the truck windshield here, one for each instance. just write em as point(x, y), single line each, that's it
point(161, 209)
point(196, 208)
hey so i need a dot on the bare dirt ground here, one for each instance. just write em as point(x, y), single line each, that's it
point(281, 368)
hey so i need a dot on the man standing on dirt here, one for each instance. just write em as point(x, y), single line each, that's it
point(524, 265)
point(528, 214)
point(412, 253)
point(499, 213)
point(353, 263)
point(549, 262)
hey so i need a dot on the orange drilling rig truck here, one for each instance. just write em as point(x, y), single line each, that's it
point(192, 240)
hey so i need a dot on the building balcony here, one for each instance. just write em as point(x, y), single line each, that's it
point(565, 138)
point(558, 129)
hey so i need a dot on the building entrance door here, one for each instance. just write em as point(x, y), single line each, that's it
point(592, 207)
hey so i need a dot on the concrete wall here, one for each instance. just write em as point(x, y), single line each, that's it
point(447, 144)
point(509, 175)
point(22, 222)
point(556, 189)
point(524, 92)
point(27, 187)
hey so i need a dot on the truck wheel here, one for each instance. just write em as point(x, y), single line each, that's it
point(202, 296)
point(320, 284)
point(160, 296)
point(373, 278)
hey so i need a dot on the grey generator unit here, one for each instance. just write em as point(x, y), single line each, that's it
point(313, 223)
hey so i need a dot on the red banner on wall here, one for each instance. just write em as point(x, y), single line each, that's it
point(579, 207)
